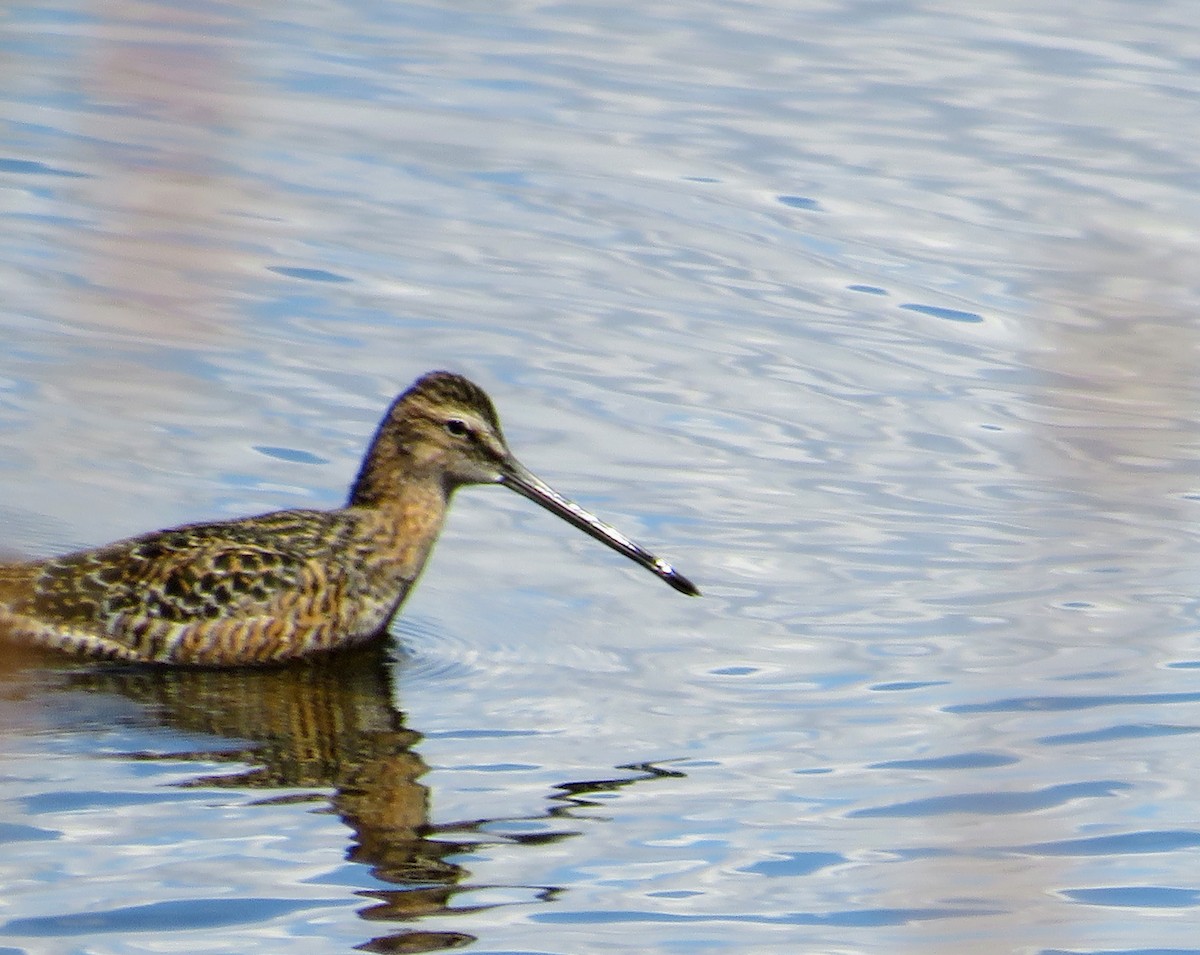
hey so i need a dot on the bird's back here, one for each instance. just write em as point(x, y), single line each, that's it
point(261, 589)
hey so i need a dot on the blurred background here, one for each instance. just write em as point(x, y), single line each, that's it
point(877, 319)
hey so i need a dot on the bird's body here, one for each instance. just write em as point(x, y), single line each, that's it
point(290, 583)
point(266, 588)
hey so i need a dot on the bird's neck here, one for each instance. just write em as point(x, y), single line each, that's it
point(399, 500)
point(390, 473)
point(400, 506)
point(396, 530)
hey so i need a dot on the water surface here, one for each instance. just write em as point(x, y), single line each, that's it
point(878, 320)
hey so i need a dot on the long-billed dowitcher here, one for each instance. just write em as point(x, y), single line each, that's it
point(290, 583)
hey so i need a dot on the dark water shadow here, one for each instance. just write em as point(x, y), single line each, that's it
point(331, 725)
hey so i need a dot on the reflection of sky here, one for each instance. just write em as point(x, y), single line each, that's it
point(877, 321)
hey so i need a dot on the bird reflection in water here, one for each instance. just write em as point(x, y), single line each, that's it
point(335, 726)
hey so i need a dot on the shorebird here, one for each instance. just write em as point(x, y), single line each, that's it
point(291, 583)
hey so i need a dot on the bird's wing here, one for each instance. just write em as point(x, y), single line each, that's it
point(192, 573)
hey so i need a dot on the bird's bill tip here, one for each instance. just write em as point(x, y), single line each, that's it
point(675, 578)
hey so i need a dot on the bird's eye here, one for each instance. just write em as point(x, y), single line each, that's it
point(457, 427)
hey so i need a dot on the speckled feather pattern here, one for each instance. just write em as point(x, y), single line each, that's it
point(266, 589)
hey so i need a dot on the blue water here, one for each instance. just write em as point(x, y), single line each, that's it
point(879, 321)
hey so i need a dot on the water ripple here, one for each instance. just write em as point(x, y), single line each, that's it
point(996, 803)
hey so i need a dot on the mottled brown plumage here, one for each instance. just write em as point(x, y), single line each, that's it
point(291, 583)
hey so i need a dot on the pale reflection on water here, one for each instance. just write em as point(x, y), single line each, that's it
point(327, 737)
point(879, 321)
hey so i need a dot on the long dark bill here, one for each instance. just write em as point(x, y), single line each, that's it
point(516, 477)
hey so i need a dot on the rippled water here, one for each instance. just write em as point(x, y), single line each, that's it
point(879, 320)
